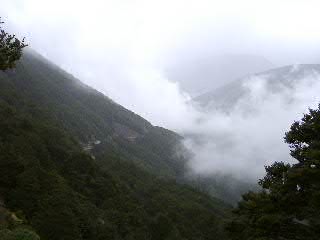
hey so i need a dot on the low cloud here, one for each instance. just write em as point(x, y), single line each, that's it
point(122, 49)
point(240, 141)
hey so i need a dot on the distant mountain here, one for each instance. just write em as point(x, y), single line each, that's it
point(76, 165)
point(197, 76)
point(273, 81)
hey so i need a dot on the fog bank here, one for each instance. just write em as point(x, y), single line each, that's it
point(124, 48)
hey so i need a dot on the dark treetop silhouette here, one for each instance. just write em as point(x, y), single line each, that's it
point(10, 49)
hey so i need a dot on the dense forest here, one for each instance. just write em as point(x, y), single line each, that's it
point(61, 191)
point(76, 165)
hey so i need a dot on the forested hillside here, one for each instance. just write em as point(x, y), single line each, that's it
point(75, 165)
point(92, 117)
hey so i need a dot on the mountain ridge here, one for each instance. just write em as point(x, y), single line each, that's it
point(119, 189)
point(229, 94)
point(90, 115)
point(196, 75)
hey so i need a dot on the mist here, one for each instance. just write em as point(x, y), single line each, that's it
point(242, 140)
point(124, 49)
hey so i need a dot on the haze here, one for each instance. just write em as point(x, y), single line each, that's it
point(139, 53)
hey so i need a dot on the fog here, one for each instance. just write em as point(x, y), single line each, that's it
point(125, 48)
point(242, 140)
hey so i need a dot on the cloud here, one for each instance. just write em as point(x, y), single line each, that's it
point(241, 141)
point(121, 47)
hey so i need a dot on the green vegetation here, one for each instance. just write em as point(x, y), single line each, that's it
point(63, 193)
point(10, 49)
point(18, 234)
point(75, 165)
point(123, 186)
point(14, 228)
point(89, 115)
point(288, 207)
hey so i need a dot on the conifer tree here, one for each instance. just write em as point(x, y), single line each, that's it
point(288, 207)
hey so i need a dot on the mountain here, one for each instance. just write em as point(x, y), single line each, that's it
point(76, 165)
point(198, 75)
point(274, 81)
point(92, 117)
point(268, 99)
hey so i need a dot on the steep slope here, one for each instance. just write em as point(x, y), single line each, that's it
point(92, 117)
point(49, 177)
point(63, 193)
point(12, 227)
point(274, 81)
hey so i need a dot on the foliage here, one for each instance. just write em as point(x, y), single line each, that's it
point(288, 207)
point(65, 193)
point(88, 115)
point(10, 49)
point(18, 234)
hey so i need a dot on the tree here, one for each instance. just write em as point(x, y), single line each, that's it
point(288, 207)
point(10, 49)
point(18, 234)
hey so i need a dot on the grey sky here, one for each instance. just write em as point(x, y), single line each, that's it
point(103, 42)
point(122, 47)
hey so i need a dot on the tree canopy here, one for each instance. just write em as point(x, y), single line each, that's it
point(288, 207)
point(10, 49)
point(62, 191)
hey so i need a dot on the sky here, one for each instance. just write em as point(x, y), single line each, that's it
point(123, 47)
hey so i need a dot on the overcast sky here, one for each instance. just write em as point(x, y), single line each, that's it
point(117, 35)
point(104, 41)
point(121, 47)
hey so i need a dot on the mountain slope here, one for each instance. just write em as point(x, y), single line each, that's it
point(273, 81)
point(50, 178)
point(92, 117)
